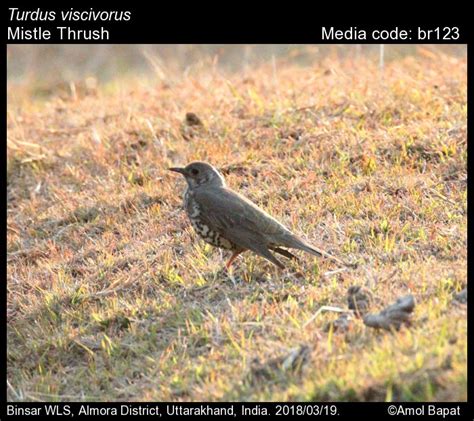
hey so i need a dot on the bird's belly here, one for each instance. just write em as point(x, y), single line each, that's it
point(210, 236)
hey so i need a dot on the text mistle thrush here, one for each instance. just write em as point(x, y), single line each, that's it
point(228, 220)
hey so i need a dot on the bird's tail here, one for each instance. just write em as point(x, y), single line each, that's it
point(302, 245)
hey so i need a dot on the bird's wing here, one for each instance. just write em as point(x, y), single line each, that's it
point(245, 224)
point(235, 216)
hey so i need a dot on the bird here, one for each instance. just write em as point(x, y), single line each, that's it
point(228, 220)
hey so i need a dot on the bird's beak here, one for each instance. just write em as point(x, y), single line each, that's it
point(177, 169)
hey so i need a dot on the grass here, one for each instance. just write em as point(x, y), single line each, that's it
point(111, 296)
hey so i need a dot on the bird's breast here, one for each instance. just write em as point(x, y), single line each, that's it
point(192, 207)
point(205, 231)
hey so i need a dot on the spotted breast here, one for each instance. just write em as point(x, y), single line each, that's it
point(205, 232)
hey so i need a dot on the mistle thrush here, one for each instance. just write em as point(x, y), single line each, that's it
point(230, 221)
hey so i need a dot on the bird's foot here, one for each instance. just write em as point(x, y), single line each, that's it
point(230, 276)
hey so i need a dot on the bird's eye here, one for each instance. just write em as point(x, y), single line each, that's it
point(194, 171)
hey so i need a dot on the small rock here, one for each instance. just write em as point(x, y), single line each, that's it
point(291, 361)
point(296, 358)
point(139, 145)
point(393, 316)
point(341, 324)
point(193, 120)
point(461, 297)
point(83, 214)
point(359, 299)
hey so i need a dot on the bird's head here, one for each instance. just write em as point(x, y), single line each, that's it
point(200, 173)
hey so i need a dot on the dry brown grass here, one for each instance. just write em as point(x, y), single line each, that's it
point(111, 296)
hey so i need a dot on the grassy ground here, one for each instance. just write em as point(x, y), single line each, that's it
point(111, 296)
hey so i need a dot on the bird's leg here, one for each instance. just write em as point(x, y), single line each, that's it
point(228, 266)
point(232, 258)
